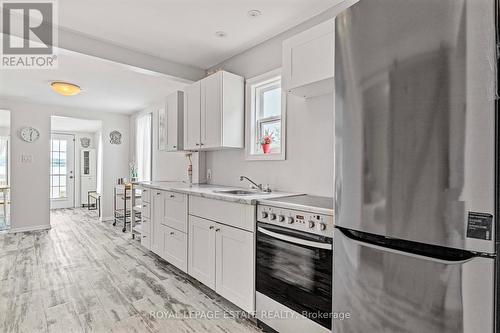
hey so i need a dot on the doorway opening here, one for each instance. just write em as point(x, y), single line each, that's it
point(5, 140)
point(74, 165)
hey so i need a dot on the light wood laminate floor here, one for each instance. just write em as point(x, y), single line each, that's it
point(87, 276)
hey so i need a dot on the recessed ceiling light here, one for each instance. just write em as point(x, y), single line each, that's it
point(220, 34)
point(65, 88)
point(254, 13)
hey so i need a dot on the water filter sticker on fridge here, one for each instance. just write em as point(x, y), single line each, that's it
point(479, 225)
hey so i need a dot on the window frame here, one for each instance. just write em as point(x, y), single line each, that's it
point(263, 82)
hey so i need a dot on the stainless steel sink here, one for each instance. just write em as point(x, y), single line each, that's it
point(239, 192)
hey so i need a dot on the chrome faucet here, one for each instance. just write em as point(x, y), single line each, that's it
point(255, 185)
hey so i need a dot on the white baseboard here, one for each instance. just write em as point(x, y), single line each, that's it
point(33, 228)
point(104, 219)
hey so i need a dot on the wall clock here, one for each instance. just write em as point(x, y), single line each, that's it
point(115, 138)
point(30, 134)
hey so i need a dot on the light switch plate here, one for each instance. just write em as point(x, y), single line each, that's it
point(26, 158)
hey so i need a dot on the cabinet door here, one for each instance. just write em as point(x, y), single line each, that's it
point(176, 211)
point(162, 129)
point(146, 241)
point(174, 121)
point(156, 219)
point(235, 257)
point(211, 111)
point(308, 57)
point(176, 248)
point(192, 113)
point(201, 263)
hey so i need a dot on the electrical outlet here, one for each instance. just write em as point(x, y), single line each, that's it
point(209, 174)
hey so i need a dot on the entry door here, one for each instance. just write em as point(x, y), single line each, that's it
point(62, 178)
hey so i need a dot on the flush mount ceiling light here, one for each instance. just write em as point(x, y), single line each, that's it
point(220, 34)
point(65, 88)
point(254, 13)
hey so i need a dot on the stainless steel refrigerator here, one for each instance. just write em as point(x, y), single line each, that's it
point(415, 167)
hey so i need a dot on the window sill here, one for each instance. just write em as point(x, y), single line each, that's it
point(266, 157)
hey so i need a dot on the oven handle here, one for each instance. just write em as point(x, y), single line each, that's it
point(295, 240)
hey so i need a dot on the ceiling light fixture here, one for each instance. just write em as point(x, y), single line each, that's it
point(65, 88)
point(220, 34)
point(254, 13)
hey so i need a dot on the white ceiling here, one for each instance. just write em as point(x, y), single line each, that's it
point(107, 86)
point(184, 30)
point(68, 124)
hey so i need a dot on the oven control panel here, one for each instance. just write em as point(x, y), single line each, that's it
point(318, 224)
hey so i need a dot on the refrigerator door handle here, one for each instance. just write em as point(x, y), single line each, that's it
point(294, 240)
point(406, 254)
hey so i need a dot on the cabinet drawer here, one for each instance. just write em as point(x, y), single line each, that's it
point(176, 248)
point(176, 211)
point(146, 210)
point(146, 225)
point(230, 213)
point(146, 195)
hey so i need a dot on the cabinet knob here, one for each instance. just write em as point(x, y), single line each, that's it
point(174, 146)
point(172, 196)
point(158, 193)
point(211, 227)
point(202, 144)
point(217, 230)
point(144, 206)
point(172, 232)
point(197, 144)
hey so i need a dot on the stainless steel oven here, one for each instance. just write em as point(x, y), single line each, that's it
point(294, 269)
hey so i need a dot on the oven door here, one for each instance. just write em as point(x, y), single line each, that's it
point(294, 269)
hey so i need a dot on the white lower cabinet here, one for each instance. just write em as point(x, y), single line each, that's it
point(218, 255)
point(222, 258)
point(234, 266)
point(175, 247)
point(201, 249)
point(158, 207)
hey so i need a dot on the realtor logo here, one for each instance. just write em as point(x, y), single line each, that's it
point(29, 34)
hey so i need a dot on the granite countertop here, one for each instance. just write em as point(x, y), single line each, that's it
point(207, 191)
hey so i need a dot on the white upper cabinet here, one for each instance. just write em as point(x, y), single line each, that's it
point(170, 123)
point(214, 113)
point(308, 61)
point(192, 116)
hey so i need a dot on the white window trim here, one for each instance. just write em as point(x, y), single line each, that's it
point(250, 119)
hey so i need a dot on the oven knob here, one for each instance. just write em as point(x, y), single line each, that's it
point(289, 220)
point(311, 224)
point(272, 216)
point(321, 226)
point(263, 214)
point(281, 218)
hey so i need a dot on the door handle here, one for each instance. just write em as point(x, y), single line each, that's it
point(294, 240)
point(70, 177)
point(402, 253)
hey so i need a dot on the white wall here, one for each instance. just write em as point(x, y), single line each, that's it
point(30, 182)
point(309, 164)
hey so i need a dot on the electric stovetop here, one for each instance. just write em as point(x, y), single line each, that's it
point(309, 203)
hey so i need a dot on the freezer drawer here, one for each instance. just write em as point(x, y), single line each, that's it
point(385, 290)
